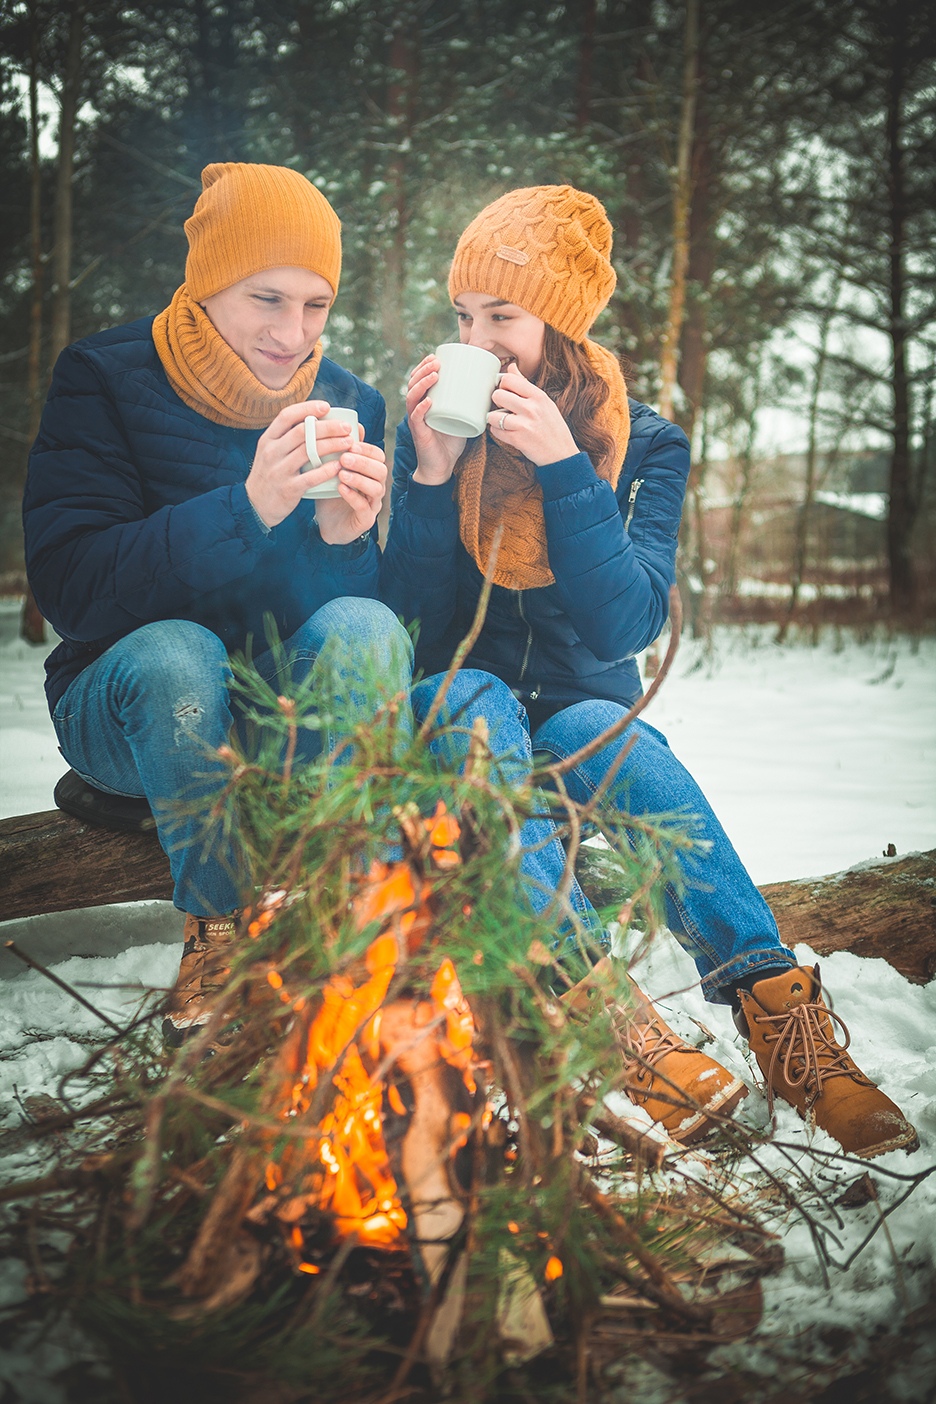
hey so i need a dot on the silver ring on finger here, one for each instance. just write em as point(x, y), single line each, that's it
point(503, 421)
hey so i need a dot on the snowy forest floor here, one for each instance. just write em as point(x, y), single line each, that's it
point(815, 758)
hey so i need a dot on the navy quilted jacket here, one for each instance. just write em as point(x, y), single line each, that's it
point(612, 553)
point(135, 510)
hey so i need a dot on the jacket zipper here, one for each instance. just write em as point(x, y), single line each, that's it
point(636, 485)
point(529, 642)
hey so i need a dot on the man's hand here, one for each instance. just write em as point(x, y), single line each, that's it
point(276, 481)
point(362, 482)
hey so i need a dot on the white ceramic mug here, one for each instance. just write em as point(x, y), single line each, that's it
point(312, 427)
point(461, 397)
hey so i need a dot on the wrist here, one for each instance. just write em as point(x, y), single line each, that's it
point(431, 477)
point(268, 520)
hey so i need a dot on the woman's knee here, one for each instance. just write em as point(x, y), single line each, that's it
point(473, 693)
point(584, 722)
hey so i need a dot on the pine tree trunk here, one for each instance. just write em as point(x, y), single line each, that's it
point(32, 624)
point(682, 201)
point(801, 528)
point(34, 362)
point(403, 58)
point(586, 57)
point(62, 252)
point(903, 507)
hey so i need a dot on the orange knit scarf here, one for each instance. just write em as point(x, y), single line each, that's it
point(211, 378)
point(496, 484)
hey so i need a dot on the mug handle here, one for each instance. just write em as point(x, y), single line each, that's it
point(311, 446)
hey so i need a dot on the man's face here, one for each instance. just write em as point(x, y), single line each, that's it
point(272, 320)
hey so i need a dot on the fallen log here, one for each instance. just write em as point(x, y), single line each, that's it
point(53, 862)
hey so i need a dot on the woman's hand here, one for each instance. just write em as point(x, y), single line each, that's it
point(436, 454)
point(276, 482)
point(528, 420)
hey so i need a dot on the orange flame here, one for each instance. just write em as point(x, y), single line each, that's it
point(346, 1154)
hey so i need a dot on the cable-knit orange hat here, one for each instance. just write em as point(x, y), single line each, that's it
point(251, 217)
point(546, 248)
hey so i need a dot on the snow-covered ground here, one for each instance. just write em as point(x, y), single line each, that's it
point(815, 758)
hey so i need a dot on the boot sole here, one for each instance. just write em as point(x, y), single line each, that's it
point(703, 1123)
point(909, 1142)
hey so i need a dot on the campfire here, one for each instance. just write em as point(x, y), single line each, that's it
point(393, 1120)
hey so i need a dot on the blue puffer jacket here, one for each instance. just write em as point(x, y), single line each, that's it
point(135, 510)
point(612, 553)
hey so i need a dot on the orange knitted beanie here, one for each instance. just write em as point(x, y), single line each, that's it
point(547, 249)
point(251, 217)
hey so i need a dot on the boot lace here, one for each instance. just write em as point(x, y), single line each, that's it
point(805, 1037)
point(644, 1044)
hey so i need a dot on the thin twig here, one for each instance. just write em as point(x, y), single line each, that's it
point(14, 949)
point(469, 641)
point(586, 752)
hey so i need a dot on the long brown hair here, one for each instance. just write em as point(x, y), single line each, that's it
point(569, 378)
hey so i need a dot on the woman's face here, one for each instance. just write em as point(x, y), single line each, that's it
point(501, 327)
point(272, 320)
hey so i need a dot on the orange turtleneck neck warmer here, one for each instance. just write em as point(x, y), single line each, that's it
point(211, 378)
point(496, 484)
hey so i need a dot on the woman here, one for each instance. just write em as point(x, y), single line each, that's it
point(165, 523)
point(589, 488)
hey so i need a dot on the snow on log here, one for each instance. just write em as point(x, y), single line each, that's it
point(886, 907)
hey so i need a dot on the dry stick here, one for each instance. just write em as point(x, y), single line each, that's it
point(716, 1197)
point(48, 1184)
point(884, 1214)
point(659, 1287)
point(586, 752)
point(34, 1131)
point(614, 1128)
point(470, 639)
point(14, 949)
point(328, 1281)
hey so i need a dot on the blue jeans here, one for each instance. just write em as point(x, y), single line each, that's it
point(147, 717)
point(719, 917)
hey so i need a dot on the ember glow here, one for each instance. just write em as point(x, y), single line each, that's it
point(344, 1165)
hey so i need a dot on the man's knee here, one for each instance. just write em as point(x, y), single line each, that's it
point(176, 662)
point(370, 626)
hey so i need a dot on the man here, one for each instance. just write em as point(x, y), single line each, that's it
point(165, 522)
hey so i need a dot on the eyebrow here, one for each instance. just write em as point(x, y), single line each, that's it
point(278, 292)
point(495, 302)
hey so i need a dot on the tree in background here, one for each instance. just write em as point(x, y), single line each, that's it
point(412, 116)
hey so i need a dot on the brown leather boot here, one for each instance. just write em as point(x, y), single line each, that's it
point(684, 1090)
point(206, 964)
point(791, 1031)
point(663, 1069)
